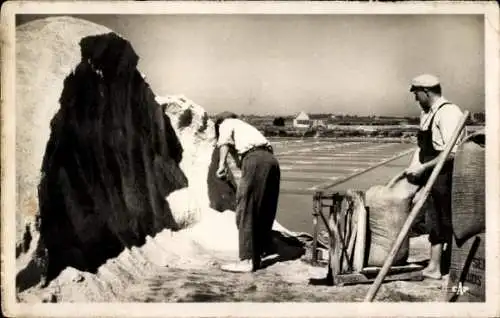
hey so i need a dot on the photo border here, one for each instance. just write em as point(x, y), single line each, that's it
point(489, 9)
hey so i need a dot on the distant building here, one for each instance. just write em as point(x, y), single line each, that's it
point(302, 121)
point(318, 123)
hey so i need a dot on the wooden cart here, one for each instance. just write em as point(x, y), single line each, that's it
point(346, 220)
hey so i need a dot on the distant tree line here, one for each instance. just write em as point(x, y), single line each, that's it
point(477, 118)
point(385, 132)
point(279, 121)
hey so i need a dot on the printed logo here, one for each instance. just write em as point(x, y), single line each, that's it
point(460, 289)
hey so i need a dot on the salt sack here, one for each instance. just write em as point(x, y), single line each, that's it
point(388, 209)
point(467, 282)
point(468, 188)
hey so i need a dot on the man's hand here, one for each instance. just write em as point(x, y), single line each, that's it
point(414, 173)
point(418, 196)
point(221, 173)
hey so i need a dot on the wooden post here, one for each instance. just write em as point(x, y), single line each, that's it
point(335, 245)
point(414, 212)
point(316, 211)
point(350, 249)
point(360, 246)
point(333, 231)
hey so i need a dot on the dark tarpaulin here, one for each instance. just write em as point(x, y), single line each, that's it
point(111, 160)
point(221, 192)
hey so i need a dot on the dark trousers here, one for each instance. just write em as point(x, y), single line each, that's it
point(439, 217)
point(257, 202)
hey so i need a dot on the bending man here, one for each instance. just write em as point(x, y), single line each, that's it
point(258, 190)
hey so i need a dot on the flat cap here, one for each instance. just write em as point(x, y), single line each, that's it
point(424, 81)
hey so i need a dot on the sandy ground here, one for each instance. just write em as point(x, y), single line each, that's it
point(181, 267)
point(291, 281)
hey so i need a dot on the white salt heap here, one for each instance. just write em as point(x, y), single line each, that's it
point(198, 140)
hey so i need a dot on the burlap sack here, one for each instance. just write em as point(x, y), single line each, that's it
point(467, 281)
point(468, 188)
point(388, 209)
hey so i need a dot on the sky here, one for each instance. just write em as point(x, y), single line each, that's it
point(283, 64)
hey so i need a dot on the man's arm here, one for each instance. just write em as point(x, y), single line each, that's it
point(223, 151)
point(432, 163)
point(224, 142)
point(448, 122)
point(236, 157)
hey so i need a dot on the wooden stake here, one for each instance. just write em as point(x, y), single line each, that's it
point(333, 231)
point(350, 247)
point(361, 227)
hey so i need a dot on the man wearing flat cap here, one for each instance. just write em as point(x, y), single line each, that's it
point(258, 189)
point(438, 121)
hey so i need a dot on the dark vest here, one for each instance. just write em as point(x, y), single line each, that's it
point(424, 138)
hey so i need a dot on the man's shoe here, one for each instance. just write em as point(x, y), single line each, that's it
point(244, 266)
point(269, 256)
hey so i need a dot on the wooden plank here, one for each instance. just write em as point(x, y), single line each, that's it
point(335, 246)
point(341, 222)
point(359, 249)
point(336, 242)
point(341, 225)
point(316, 207)
point(350, 279)
point(351, 232)
point(358, 278)
point(392, 270)
point(350, 247)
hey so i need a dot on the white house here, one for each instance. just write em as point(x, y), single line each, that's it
point(302, 121)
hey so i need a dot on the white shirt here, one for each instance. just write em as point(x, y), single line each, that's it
point(445, 122)
point(241, 135)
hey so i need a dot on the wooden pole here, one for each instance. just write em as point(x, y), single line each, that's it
point(414, 212)
point(361, 229)
point(334, 232)
point(316, 210)
point(350, 248)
